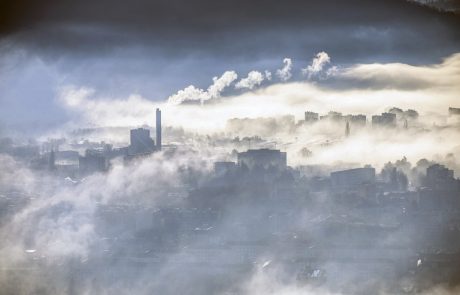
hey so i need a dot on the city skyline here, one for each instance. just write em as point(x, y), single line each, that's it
point(232, 148)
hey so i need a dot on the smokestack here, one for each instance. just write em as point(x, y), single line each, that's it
point(52, 160)
point(347, 129)
point(158, 129)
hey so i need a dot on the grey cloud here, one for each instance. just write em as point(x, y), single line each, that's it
point(442, 5)
point(96, 28)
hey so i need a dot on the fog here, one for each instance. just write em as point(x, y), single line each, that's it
point(293, 174)
point(96, 236)
point(51, 222)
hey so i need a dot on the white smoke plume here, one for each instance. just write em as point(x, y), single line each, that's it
point(188, 93)
point(219, 84)
point(268, 75)
point(191, 93)
point(285, 72)
point(254, 78)
point(317, 65)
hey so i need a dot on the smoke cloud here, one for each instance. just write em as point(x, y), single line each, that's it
point(318, 63)
point(268, 75)
point(253, 79)
point(191, 93)
point(285, 72)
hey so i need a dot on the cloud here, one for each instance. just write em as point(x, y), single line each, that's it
point(317, 65)
point(191, 93)
point(92, 110)
point(72, 23)
point(285, 72)
point(441, 5)
point(444, 76)
point(253, 79)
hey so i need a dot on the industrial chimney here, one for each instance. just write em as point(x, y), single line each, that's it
point(347, 129)
point(158, 129)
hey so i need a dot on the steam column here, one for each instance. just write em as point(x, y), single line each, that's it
point(158, 129)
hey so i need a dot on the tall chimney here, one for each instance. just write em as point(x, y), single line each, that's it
point(158, 129)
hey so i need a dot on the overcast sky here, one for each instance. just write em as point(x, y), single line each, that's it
point(155, 48)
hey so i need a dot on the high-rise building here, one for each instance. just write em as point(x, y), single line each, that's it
point(385, 119)
point(440, 177)
point(454, 111)
point(356, 120)
point(52, 160)
point(311, 117)
point(333, 116)
point(141, 143)
point(158, 128)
